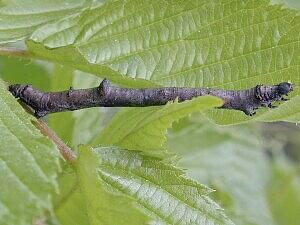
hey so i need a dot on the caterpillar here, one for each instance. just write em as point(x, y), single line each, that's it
point(106, 95)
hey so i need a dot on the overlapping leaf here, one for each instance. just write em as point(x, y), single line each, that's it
point(159, 189)
point(104, 206)
point(83, 199)
point(131, 179)
point(28, 165)
point(146, 128)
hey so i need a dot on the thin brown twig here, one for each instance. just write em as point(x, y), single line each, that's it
point(9, 51)
point(65, 151)
point(39, 221)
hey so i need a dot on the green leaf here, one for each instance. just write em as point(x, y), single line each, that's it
point(157, 187)
point(104, 206)
point(18, 19)
point(221, 43)
point(146, 128)
point(14, 70)
point(73, 210)
point(70, 203)
point(28, 165)
point(231, 160)
point(286, 112)
point(285, 206)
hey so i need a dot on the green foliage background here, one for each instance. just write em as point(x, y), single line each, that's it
point(155, 165)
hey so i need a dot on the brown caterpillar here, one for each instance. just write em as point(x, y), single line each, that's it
point(106, 95)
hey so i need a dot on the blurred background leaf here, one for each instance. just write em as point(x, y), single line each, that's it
point(284, 192)
point(230, 160)
point(240, 163)
point(20, 71)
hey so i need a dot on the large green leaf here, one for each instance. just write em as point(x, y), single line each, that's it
point(146, 128)
point(157, 187)
point(28, 165)
point(222, 43)
point(20, 71)
point(230, 160)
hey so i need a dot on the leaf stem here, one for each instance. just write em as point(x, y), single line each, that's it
point(65, 151)
point(9, 51)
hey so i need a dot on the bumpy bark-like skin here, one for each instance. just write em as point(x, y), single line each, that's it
point(107, 95)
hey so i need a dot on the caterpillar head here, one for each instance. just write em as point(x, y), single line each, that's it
point(284, 88)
